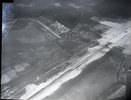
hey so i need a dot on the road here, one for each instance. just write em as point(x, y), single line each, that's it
point(8, 30)
point(85, 60)
point(46, 27)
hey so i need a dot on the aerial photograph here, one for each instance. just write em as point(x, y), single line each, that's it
point(66, 50)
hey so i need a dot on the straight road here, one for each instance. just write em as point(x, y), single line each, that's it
point(8, 30)
point(46, 27)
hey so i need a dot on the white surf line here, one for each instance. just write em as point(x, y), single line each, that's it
point(61, 73)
